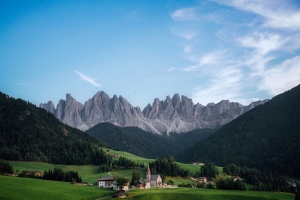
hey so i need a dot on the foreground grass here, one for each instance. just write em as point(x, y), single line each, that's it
point(205, 194)
point(27, 188)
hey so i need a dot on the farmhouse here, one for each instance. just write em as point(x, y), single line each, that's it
point(105, 182)
point(116, 187)
point(113, 155)
point(203, 179)
point(235, 178)
point(143, 184)
point(33, 173)
point(155, 180)
point(198, 163)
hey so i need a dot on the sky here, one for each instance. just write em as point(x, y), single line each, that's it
point(209, 50)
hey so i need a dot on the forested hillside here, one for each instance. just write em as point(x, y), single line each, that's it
point(266, 137)
point(133, 140)
point(29, 133)
point(146, 144)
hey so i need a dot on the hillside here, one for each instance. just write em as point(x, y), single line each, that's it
point(29, 133)
point(266, 137)
point(146, 144)
point(133, 140)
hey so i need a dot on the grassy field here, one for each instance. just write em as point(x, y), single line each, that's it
point(88, 173)
point(205, 194)
point(15, 188)
point(27, 188)
point(179, 180)
point(129, 156)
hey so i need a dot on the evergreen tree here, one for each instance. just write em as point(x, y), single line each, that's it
point(135, 177)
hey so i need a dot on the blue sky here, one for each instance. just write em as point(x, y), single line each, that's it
point(237, 50)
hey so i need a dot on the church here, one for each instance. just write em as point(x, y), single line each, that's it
point(155, 180)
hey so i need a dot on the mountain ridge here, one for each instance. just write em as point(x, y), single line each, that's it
point(171, 115)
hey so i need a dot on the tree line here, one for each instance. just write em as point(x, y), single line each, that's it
point(167, 167)
point(266, 180)
point(5, 167)
point(121, 163)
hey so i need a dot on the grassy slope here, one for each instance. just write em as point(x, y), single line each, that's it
point(27, 188)
point(129, 156)
point(192, 193)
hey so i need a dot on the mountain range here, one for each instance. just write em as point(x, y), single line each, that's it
point(171, 115)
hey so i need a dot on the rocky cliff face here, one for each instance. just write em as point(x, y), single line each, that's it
point(172, 115)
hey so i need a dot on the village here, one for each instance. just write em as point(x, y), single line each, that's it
point(151, 180)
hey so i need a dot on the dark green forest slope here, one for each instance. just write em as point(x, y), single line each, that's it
point(133, 140)
point(266, 137)
point(29, 133)
point(146, 144)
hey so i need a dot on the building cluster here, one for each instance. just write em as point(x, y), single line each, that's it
point(151, 180)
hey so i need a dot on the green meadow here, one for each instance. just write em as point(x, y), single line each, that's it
point(205, 194)
point(129, 156)
point(15, 188)
point(89, 173)
point(28, 188)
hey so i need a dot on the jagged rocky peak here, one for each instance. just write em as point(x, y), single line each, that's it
point(49, 107)
point(170, 115)
point(187, 107)
point(176, 101)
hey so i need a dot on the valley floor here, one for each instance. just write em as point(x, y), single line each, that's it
point(16, 188)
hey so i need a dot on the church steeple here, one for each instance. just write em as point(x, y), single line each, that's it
point(148, 174)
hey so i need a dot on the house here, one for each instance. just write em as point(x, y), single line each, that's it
point(235, 178)
point(113, 155)
point(116, 187)
point(105, 182)
point(120, 194)
point(33, 173)
point(143, 184)
point(198, 163)
point(155, 180)
point(203, 179)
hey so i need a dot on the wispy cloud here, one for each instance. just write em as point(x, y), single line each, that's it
point(88, 79)
point(262, 44)
point(209, 59)
point(185, 14)
point(184, 33)
point(260, 52)
point(281, 77)
point(277, 14)
point(225, 85)
point(171, 69)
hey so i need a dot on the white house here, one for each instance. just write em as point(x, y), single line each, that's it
point(105, 182)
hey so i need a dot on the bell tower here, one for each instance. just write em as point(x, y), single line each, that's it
point(148, 174)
